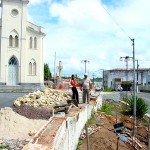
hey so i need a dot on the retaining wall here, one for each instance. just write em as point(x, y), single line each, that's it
point(62, 133)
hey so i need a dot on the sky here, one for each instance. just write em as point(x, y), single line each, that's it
point(98, 31)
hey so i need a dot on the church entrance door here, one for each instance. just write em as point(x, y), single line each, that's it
point(12, 71)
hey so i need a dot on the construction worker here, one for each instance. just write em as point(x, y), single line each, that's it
point(86, 87)
point(73, 83)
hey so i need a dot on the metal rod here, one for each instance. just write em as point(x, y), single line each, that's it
point(87, 137)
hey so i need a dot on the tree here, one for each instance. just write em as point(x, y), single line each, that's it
point(47, 73)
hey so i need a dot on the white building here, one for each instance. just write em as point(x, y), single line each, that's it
point(118, 75)
point(21, 47)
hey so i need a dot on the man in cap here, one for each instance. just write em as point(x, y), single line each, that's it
point(86, 86)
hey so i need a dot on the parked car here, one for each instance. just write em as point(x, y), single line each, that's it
point(98, 88)
point(119, 88)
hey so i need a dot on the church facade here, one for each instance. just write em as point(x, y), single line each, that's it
point(21, 46)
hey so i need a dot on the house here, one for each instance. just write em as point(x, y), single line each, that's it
point(21, 47)
point(114, 77)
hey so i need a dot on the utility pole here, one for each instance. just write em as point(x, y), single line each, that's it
point(93, 79)
point(54, 68)
point(126, 59)
point(85, 61)
point(137, 76)
point(103, 80)
point(134, 94)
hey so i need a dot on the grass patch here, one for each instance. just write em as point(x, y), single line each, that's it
point(107, 90)
point(79, 144)
point(91, 120)
point(4, 147)
point(106, 108)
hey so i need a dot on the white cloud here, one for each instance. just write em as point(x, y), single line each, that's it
point(84, 30)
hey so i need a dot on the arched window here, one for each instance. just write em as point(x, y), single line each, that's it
point(13, 39)
point(10, 40)
point(16, 41)
point(30, 42)
point(32, 67)
point(35, 42)
point(12, 61)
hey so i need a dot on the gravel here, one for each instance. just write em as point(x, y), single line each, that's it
point(33, 113)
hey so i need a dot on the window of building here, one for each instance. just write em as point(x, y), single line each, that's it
point(10, 41)
point(35, 42)
point(30, 42)
point(16, 41)
point(32, 68)
point(13, 39)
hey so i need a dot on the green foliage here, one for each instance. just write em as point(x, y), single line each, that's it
point(126, 83)
point(47, 73)
point(98, 79)
point(105, 108)
point(141, 106)
point(91, 120)
point(79, 144)
point(107, 90)
point(6, 147)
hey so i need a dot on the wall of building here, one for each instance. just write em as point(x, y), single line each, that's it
point(17, 24)
point(124, 75)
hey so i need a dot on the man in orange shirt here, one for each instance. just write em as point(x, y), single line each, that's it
point(75, 94)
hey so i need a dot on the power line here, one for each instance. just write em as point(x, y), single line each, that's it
point(114, 20)
point(143, 60)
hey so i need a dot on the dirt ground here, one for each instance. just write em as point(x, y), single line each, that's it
point(104, 138)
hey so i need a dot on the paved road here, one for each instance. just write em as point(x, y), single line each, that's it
point(146, 97)
point(6, 99)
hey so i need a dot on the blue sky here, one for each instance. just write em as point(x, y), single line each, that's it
point(97, 31)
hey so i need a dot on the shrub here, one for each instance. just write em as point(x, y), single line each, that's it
point(126, 85)
point(141, 106)
point(4, 147)
point(107, 90)
point(105, 108)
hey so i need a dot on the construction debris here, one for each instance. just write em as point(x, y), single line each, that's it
point(46, 98)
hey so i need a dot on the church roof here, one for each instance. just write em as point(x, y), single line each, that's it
point(34, 28)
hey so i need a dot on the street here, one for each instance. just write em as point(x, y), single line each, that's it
point(146, 97)
point(6, 99)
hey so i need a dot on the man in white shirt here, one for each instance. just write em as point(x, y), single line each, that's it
point(86, 87)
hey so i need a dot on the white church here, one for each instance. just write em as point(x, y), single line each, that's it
point(21, 47)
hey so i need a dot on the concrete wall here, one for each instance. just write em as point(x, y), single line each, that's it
point(66, 135)
point(145, 88)
point(115, 96)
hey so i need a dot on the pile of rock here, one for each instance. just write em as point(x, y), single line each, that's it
point(46, 98)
